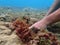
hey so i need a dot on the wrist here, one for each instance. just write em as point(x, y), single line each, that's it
point(42, 24)
point(45, 21)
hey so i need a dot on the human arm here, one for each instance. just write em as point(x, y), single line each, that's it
point(47, 20)
point(54, 7)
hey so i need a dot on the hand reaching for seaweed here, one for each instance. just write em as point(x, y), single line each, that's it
point(23, 31)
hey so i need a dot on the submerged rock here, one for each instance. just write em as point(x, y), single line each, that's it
point(7, 37)
point(4, 30)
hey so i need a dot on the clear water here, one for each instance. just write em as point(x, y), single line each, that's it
point(27, 3)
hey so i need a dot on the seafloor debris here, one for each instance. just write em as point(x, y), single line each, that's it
point(27, 36)
point(45, 38)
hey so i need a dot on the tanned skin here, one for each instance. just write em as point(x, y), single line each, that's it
point(54, 7)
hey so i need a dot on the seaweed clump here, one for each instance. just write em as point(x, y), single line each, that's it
point(22, 30)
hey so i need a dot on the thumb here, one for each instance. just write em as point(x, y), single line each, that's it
point(30, 27)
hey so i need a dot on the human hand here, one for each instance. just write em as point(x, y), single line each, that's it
point(39, 25)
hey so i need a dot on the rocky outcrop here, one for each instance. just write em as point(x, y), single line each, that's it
point(7, 37)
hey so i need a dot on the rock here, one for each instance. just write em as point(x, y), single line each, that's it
point(6, 39)
point(4, 30)
point(13, 40)
point(9, 40)
point(4, 23)
point(55, 28)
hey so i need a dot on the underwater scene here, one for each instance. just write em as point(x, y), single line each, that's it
point(29, 22)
